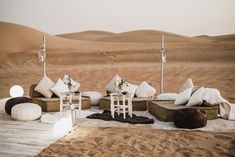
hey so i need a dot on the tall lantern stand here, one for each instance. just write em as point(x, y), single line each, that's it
point(42, 54)
point(162, 61)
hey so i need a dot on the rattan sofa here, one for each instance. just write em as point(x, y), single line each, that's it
point(53, 104)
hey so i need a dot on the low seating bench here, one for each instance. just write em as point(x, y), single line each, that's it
point(164, 110)
point(53, 104)
point(139, 104)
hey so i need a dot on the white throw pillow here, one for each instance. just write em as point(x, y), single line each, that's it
point(145, 90)
point(26, 112)
point(75, 85)
point(44, 87)
point(167, 96)
point(212, 96)
point(130, 89)
point(183, 97)
point(110, 86)
point(187, 84)
point(196, 98)
point(59, 88)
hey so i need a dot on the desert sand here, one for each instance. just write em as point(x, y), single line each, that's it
point(138, 141)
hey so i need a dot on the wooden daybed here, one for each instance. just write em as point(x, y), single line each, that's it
point(53, 104)
point(164, 110)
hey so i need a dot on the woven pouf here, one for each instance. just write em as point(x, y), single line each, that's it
point(26, 112)
point(190, 118)
point(15, 101)
point(95, 97)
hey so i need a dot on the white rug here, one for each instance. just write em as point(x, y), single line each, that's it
point(220, 125)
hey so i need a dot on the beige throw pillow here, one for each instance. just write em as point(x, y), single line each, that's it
point(44, 87)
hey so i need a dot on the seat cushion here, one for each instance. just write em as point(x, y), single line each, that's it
point(26, 112)
point(15, 101)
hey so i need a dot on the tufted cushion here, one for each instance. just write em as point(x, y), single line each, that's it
point(145, 90)
point(190, 118)
point(26, 112)
point(187, 84)
point(15, 101)
point(44, 87)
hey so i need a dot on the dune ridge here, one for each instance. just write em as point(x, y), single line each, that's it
point(87, 35)
point(132, 46)
point(130, 36)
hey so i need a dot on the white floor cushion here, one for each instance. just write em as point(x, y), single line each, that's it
point(187, 84)
point(145, 90)
point(196, 98)
point(26, 112)
point(95, 97)
point(44, 87)
point(59, 88)
point(183, 97)
point(167, 96)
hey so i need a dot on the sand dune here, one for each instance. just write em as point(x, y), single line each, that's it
point(229, 38)
point(131, 36)
point(23, 42)
point(146, 36)
point(87, 35)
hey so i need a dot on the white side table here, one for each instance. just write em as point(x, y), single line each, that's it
point(121, 104)
point(67, 102)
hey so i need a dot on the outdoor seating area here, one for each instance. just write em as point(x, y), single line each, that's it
point(64, 111)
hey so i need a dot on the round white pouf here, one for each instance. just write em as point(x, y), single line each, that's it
point(95, 97)
point(26, 112)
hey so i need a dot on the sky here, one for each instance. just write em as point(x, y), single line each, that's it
point(185, 17)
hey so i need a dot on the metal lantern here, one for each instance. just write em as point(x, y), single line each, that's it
point(162, 60)
point(42, 54)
